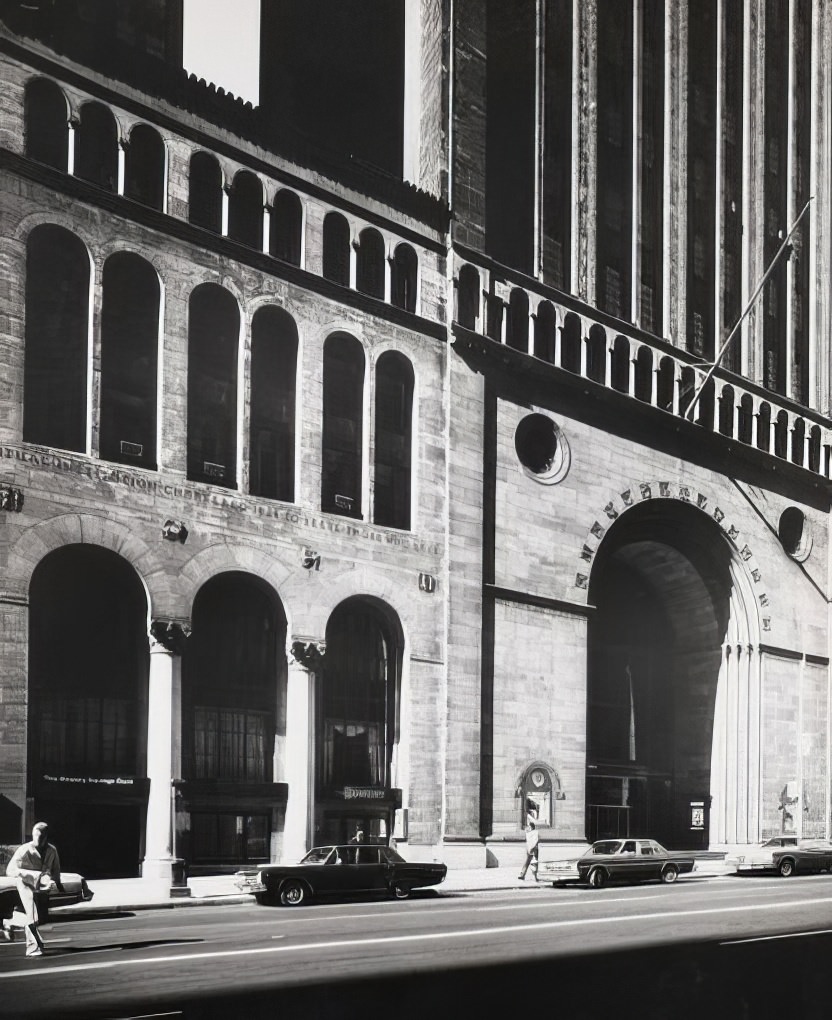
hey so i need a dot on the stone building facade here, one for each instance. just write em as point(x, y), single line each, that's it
point(367, 472)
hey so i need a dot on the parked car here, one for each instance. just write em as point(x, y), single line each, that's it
point(805, 859)
point(75, 890)
point(340, 870)
point(759, 856)
point(630, 860)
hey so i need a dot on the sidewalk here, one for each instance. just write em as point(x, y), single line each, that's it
point(214, 890)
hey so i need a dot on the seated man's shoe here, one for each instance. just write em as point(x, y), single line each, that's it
point(34, 951)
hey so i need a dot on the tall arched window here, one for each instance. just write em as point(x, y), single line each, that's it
point(596, 354)
point(96, 147)
point(129, 353)
point(336, 259)
point(404, 269)
point(144, 171)
point(213, 341)
point(233, 687)
point(286, 227)
point(205, 192)
point(274, 353)
point(394, 424)
point(369, 270)
point(46, 120)
point(357, 707)
point(245, 210)
point(570, 351)
point(343, 401)
point(57, 338)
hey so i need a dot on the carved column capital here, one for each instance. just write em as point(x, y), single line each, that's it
point(169, 635)
point(309, 654)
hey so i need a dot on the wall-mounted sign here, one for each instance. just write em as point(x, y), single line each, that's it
point(427, 583)
point(697, 814)
point(364, 793)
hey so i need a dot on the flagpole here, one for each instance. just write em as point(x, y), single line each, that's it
point(698, 393)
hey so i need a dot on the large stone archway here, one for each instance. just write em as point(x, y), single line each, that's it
point(673, 682)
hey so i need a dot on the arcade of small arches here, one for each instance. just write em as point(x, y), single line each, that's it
point(642, 368)
point(265, 217)
point(57, 402)
point(220, 701)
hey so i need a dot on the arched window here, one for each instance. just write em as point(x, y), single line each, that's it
point(688, 383)
point(357, 711)
point(144, 171)
point(274, 354)
point(798, 441)
point(233, 682)
point(394, 423)
point(336, 258)
point(286, 227)
point(468, 297)
point(87, 713)
point(369, 269)
point(596, 354)
point(764, 427)
point(46, 120)
point(745, 419)
point(405, 269)
point(544, 332)
point(705, 405)
point(129, 346)
point(517, 334)
point(781, 435)
point(494, 309)
point(570, 354)
point(726, 411)
point(343, 400)
point(814, 448)
point(57, 339)
point(96, 147)
point(245, 210)
point(205, 192)
point(213, 340)
point(666, 384)
point(644, 374)
point(620, 373)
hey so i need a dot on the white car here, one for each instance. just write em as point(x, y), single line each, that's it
point(758, 856)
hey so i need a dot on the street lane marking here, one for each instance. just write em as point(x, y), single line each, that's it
point(772, 938)
point(507, 929)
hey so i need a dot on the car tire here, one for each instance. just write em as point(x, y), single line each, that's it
point(399, 891)
point(670, 874)
point(786, 867)
point(292, 893)
point(265, 899)
point(597, 878)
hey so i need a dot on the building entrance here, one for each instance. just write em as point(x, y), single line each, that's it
point(667, 594)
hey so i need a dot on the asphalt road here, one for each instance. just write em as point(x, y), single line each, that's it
point(711, 945)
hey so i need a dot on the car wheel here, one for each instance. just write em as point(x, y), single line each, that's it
point(596, 878)
point(292, 893)
point(670, 874)
point(786, 867)
point(265, 899)
point(400, 891)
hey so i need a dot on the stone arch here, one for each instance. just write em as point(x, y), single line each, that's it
point(673, 667)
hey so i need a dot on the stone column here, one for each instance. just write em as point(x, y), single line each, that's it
point(305, 663)
point(163, 709)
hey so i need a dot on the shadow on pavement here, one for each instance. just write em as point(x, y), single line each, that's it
point(54, 951)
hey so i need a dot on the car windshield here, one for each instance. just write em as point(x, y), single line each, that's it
point(605, 846)
point(318, 855)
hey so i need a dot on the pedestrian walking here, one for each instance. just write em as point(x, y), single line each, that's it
point(36, 868)
point(532, 840)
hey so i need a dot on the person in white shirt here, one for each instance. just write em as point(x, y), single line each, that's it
point(532, 840)
point(36, 867)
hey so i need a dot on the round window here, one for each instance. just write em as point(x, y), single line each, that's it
point(794, 533)
point(542, 449)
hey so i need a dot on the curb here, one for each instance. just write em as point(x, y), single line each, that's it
point(186, 901)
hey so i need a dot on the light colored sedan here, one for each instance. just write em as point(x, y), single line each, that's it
point(759, 856)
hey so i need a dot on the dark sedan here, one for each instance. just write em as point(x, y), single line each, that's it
point(630, 860)
point(340, 870)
